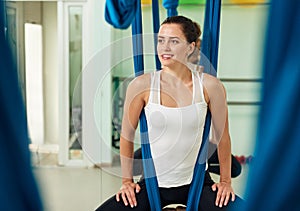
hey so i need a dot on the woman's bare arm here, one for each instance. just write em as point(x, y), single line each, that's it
point(220, 129)
point(136, 97)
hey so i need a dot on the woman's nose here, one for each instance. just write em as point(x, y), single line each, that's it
point(166, 45)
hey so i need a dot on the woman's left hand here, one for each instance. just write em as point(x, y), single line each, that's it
point(225, 192)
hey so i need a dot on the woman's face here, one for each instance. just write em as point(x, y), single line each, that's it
point(172, 46)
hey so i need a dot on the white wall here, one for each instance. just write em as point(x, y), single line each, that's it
point(33, 12)
point(96, 87)
point(44, 13)
point(51, 74)
point(240, 55)
point(34, 82)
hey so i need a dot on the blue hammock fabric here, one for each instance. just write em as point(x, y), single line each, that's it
point(199, 170)
point(148, 165)
point(277, 157)
point(171, 6)
point(137, 42)
point(210, 46)
point(211, 33)
point(18, 188)
point(120, 13)
point(156, 24)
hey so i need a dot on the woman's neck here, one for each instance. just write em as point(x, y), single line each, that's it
point(180, 73)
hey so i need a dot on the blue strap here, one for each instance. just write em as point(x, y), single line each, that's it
point(18, 188)
point(3, 23)
point(171, 6)
point(199, 169)
point(120, 13)
point(210, 43)
point(148, 165)
point(210, 49)
point(137, 41)
point(156, 24)
point(277, 156)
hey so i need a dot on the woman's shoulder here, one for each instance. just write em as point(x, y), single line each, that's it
point(210, 78)
point(140, 82)
point(211, 82)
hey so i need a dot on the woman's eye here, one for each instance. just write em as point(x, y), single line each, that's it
point(160, 41)
point(175, 41)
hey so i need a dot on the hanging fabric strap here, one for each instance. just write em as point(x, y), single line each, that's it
point(210, 43)
point(3, 23)
point(120, 13)
point(199, 170)
point(278, 134)
point(148, 165)
point(171, 6)
point(210, 49)
point(137, 41)
point(19, 190)
point(156, 24)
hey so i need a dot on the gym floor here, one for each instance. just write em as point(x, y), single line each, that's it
point(83, 189)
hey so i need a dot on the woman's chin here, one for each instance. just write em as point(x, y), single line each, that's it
point(167, 62)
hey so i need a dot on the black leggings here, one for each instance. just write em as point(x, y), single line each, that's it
point(176, 195)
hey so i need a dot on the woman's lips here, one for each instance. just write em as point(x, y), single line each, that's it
point(166, 56)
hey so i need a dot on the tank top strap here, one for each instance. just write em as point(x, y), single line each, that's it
point(157, 85)
point(154, 96)
point(199, 84)
point(194, 88)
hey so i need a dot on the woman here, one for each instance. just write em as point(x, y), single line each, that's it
point(175, 100)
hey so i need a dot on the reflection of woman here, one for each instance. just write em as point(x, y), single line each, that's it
point(175, 100)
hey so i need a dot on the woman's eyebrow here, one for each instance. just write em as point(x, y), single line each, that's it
point(169, 37)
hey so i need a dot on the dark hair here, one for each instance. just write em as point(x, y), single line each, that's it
point(190, 29)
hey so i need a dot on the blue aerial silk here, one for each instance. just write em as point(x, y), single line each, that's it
point(273, 182)
point(210, 43)
point(18, 189)
point(211, 30)
point(209, 48)
point(171, 6)
point(148, 165)
point(156, 25)
point(120, 13)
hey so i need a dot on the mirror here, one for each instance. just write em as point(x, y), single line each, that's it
point(75, 66)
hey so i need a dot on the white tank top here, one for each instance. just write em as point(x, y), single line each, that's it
point(175, 134)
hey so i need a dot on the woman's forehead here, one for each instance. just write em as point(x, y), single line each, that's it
point(171, 30)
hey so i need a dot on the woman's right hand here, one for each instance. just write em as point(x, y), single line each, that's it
point(127, 193)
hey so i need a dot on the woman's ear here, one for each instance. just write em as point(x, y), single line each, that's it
point(191, 48)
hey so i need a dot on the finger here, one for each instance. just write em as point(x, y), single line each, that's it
point(214, 187)
point(222, 198)
point(118, 197)
point(227, 198)
point(137, 188)
point(124, 198)
point(232, 196)
point(218, 198)
point(131, 198)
